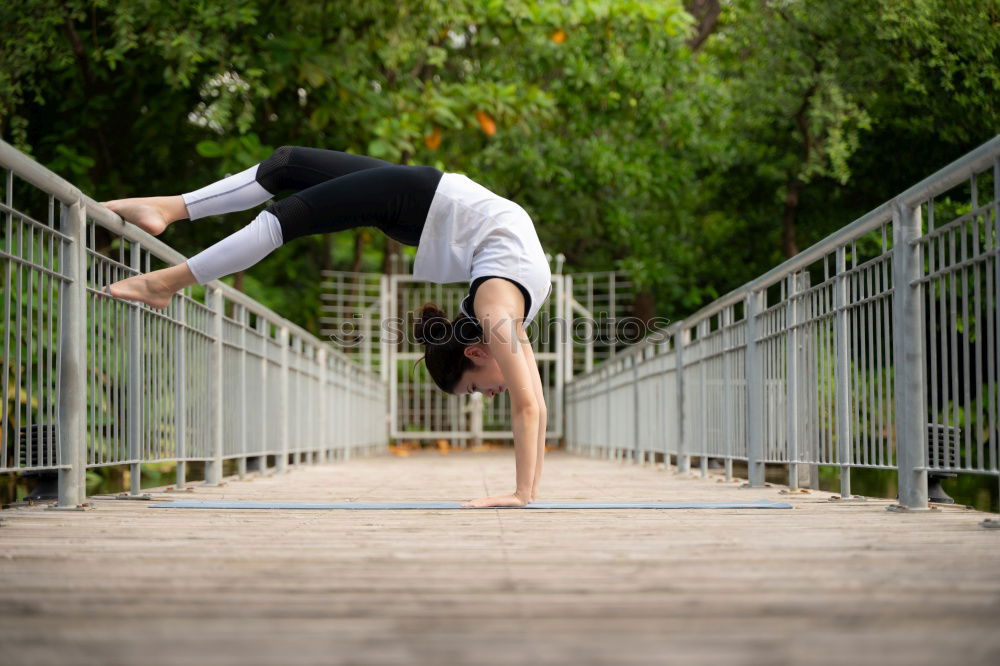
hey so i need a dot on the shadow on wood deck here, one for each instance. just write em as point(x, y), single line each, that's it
point(823, 583)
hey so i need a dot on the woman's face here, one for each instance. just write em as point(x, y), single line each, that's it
point(484, 377)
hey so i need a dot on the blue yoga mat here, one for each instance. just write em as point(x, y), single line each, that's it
point(250, 504)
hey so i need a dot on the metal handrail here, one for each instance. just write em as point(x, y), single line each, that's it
point(937, 183)
point(45, 179)
point(831, 373)
point(105, 405)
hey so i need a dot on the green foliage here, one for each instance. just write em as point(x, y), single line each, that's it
point(627, 148)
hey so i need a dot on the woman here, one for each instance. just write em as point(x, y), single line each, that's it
point(462, 231)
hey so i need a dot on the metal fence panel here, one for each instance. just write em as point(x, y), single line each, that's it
point(876, 347)
point(90, 381)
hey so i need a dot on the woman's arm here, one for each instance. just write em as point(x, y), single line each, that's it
point(503, 334)
point(542, 420)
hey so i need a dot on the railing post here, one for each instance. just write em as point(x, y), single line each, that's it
point(841, 373)
point(213, 468)
point(180, 399)
point(282, 461)
point(635, 407)
point(299, 455)
point(135, 377)
point(791, 381)
point(477, 419)
point(392, 347)
point(754, 392)
point(727, 383)
point(264, 328)
point(324, 406)
point(908, 336)
point(703, 402)
point(72, 370)
point(244, 321)
point(683, 459)
point(385, 313)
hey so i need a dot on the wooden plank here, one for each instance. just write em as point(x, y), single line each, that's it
point(825, 582)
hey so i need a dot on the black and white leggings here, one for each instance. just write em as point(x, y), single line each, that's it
point(333, 191)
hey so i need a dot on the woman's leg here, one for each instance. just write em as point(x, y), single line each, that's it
point(288, 168)
point(393, 198)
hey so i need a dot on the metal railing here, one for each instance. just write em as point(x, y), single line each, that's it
point(366, 316)
point(853, 353)
point(91, 381)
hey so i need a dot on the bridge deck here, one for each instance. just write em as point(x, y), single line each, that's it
point(823, 583)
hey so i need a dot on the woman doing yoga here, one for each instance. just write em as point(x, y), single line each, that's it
point(462, 231)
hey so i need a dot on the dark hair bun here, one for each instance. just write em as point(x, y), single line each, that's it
point(431, 325)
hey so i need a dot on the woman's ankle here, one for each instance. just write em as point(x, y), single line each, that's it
point(174, 208)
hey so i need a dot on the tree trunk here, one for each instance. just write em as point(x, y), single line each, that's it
point(359, 247)
point(788, 245)
point(238, 280)
point(706, 14)
point(391, 256)
point(644, 307)
point(391, 261)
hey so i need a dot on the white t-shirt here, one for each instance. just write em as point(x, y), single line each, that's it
point(471, 232)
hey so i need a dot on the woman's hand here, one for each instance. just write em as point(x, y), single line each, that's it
point(497, 500)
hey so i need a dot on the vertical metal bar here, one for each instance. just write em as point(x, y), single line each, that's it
point(265, 341)
point(703, 401)
point(7, 297)
point(30, 369)
point(953, 391)
point(994, 321)
point(18, 327)
point(390, 358)
point(882, 367)
point(683, 459)
point(965, 393)
point(135, 375)
point(72, 386)
point(282, 460)
point(860, 358)
point(562, 345)
point(51, 343)
point(180, 395)
point(870, 375)
point(840, 373)
point(386, 314)
point(325, 403)
point(909, 359)
point(635, 408)
point(977, 317)
point(213, 468)
point(294, 405)
point(792, 381)
point(726, 323)
point(946, 331)
point(754, 391)
point(613, 312)
point(244, 321)
point(568, 317)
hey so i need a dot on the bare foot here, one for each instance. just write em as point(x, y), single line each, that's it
point(145, 288)
point(148, 213)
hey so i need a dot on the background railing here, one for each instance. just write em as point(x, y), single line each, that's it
point(876, 347)
point(91, 381)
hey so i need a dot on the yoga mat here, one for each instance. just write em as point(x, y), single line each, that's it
point(252, 504)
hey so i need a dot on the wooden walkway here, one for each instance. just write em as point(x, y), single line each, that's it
point(825, 583)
